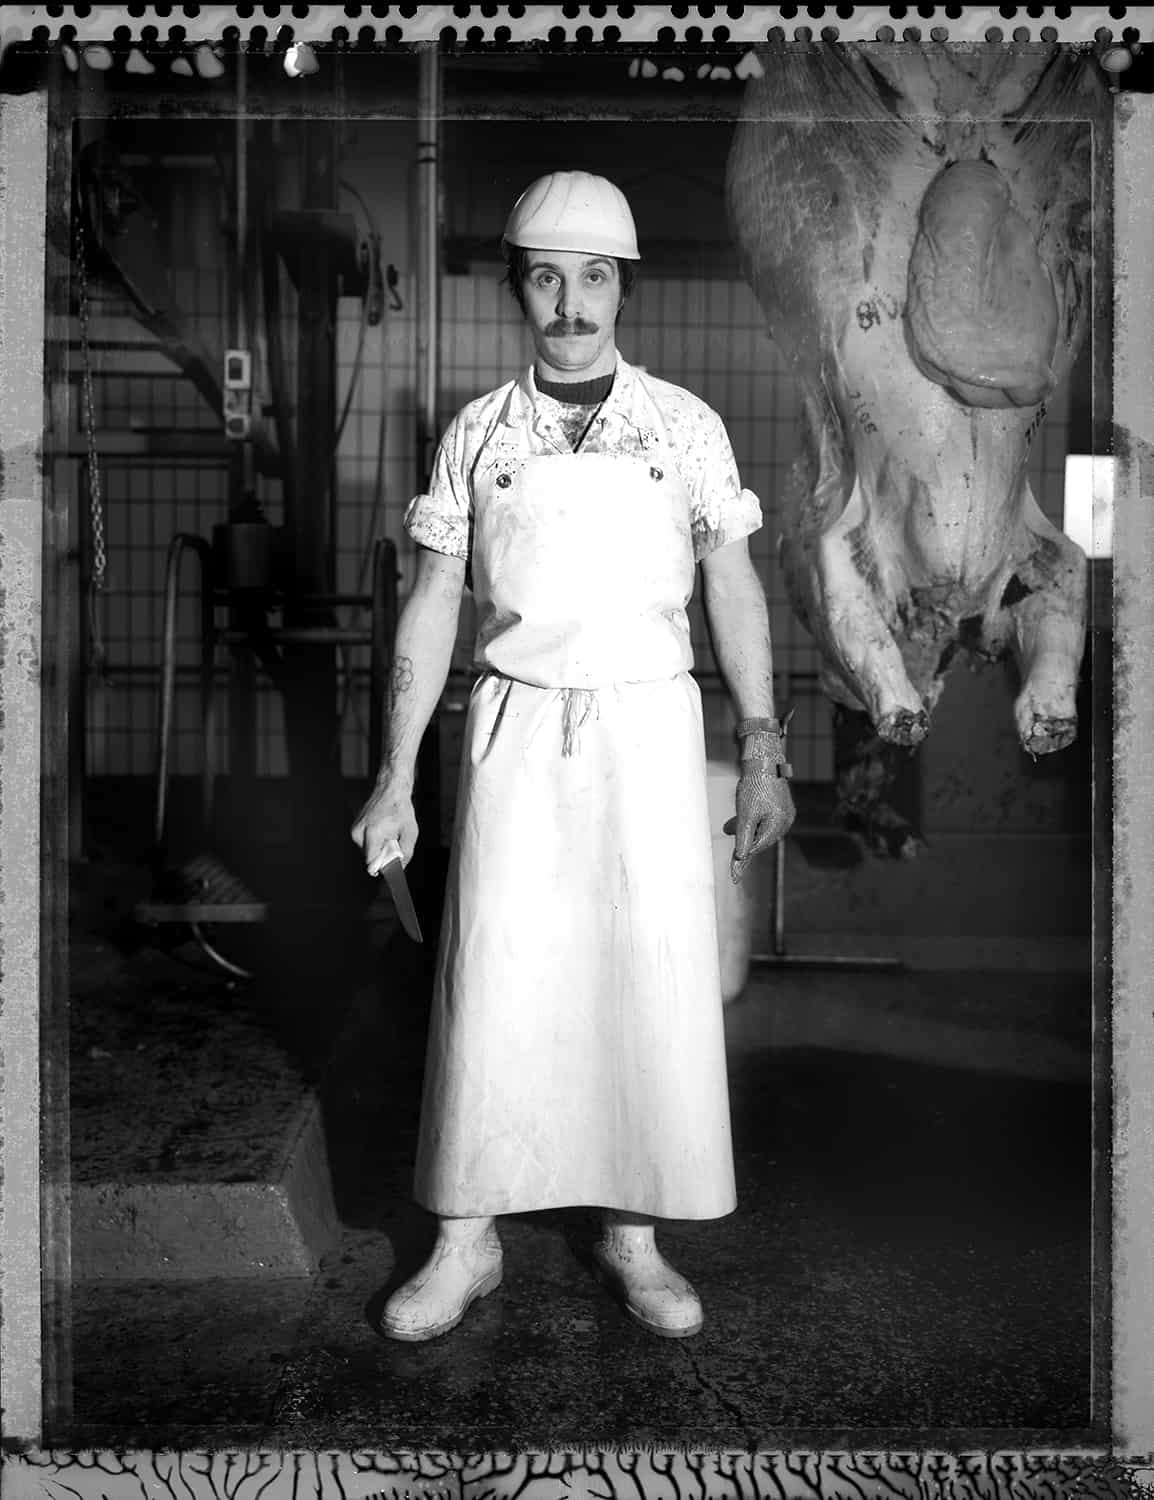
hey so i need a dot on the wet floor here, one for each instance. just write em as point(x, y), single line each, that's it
point(912, 1250)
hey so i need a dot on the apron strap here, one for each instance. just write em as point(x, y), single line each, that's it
point(579, 704)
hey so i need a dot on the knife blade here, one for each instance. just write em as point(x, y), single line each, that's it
point(391, 866)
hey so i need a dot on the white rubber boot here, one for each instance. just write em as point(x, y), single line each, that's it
point(465, 1264)
point(653, 1293)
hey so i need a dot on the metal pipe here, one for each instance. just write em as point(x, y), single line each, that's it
point(428, 260)
point(304, 635)
point(328, 600)
point(779, 898)
point(240, 332)
point(207, 691)
point(853, 961)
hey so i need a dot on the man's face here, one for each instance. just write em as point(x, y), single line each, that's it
point(571, 303)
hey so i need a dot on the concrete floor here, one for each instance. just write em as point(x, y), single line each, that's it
point(911, 1251)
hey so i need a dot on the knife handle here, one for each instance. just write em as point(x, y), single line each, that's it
point(388, 854)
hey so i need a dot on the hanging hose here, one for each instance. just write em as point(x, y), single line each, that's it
point(183, 892)
point(377, 508)
point(217, 956)
point(358, 357)
point(176, 550)
point(278, 386)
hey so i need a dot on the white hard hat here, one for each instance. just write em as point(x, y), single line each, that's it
point(573, 211)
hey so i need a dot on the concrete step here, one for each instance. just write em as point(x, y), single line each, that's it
point(198, 1147)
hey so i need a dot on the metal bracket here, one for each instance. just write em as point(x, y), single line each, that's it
point(237, 392)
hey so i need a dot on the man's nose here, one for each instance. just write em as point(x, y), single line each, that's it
point(567, 301)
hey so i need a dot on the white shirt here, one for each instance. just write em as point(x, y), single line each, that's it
point(641, 416)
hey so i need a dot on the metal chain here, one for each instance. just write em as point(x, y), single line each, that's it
point(98, 577)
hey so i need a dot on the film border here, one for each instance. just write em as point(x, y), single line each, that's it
point(881, 1470)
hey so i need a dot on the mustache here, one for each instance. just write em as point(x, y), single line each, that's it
point(560, 328)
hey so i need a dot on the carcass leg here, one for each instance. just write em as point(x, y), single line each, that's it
point(877, 787)
point(1046, 602)
point(859, 638)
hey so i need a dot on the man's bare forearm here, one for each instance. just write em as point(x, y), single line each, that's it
point(738, 616)
point(423, 653)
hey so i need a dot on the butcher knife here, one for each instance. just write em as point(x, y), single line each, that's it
point(391, 866)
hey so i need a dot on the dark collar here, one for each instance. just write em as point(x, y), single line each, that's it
point(577, 392)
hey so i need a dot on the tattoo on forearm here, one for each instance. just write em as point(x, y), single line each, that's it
point(401, 676)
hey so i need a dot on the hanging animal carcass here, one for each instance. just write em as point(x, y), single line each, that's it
point(918, 224)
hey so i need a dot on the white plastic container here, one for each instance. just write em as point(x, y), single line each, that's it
point(735, 903)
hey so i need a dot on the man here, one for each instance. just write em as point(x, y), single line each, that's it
point(576, 1050)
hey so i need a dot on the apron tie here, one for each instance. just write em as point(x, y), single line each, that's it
point(579, 704)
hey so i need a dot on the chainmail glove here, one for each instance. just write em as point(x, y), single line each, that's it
point(765, 810)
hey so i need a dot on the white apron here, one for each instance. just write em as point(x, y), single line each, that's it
point(576, 1049)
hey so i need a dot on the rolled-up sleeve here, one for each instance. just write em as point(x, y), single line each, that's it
point(722, 511)
point(442, 518)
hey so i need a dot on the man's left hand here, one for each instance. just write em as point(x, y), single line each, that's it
point(765, 813)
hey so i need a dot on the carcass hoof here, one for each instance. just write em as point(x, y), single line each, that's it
point(1045, 735)
point(903, 727)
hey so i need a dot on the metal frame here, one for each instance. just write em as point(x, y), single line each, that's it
point(780, 958)
point(379, 636)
